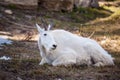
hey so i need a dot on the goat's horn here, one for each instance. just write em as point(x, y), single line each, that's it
point(44, 23)
point(51, 24)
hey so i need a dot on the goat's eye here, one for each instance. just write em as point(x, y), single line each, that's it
point(45, 34)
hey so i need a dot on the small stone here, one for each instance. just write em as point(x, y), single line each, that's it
point(0, 15)
point(8, 11)
point(28, 16)
point(58, 79)
point(18, 78)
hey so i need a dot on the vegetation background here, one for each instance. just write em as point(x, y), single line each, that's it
point(18, 25)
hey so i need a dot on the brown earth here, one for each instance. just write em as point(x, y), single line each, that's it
point(20, 27)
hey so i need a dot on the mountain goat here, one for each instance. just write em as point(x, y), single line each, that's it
point(60, 47)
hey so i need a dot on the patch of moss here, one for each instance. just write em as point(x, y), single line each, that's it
point(87, 14)
point(12, 6)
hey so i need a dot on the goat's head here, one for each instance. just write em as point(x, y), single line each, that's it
point(46, 38)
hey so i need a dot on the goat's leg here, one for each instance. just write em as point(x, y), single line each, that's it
point(43, 61)
point(99, 56)
point(65, 60)
point(98, 64)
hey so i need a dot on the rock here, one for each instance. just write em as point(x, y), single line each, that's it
point(18, 78)
point(94, 3)
point(1, 15)
point(83, 3)
point(52, 5)
point(57, 5)
point(77, 3)
point(24, 4)
point(86, 3)
point(8, 11)
point(66, 5)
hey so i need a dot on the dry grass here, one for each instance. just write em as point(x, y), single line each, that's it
point(25, 54)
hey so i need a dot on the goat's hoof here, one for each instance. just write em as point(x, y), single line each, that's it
point(40, 63)
point(98, 64)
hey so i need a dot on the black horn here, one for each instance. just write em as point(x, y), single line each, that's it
point(44, 23)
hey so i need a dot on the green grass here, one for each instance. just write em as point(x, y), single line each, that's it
point(12, 6)
point(85, 14)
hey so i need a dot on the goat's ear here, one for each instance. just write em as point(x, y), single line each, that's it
point(40, 30)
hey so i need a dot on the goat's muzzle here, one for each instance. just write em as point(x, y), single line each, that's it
point(54, 47)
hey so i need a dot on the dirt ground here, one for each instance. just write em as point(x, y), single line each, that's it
point(20, 28)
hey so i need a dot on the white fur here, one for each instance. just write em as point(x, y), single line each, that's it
point(71, 49)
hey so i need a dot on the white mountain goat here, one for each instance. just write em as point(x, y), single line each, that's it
point(60, 47)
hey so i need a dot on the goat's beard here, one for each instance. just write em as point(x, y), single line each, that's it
point(46, 50)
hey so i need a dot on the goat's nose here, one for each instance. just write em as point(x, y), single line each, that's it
point(54, 45)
